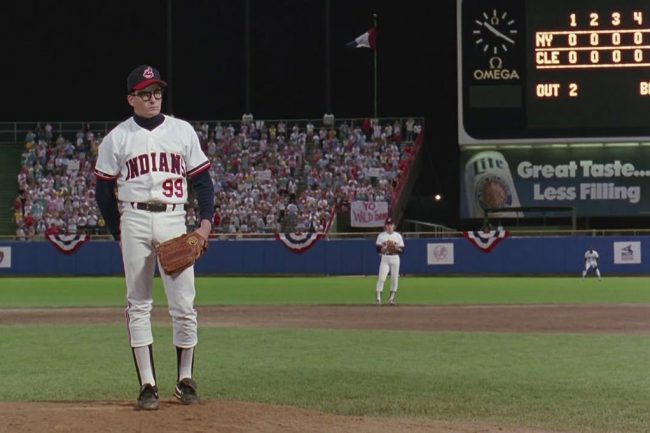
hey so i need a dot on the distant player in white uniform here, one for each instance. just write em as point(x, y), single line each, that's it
point(142, 173)
point(390, 261)
point(591, 263)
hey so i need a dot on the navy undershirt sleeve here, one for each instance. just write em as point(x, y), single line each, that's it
point(204, 190)
point(107, 202)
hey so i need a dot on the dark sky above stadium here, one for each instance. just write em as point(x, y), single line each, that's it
point(68, 60)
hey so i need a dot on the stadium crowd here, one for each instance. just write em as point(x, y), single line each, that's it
point(268, 176)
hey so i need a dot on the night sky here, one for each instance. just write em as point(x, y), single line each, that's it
point(68, 61)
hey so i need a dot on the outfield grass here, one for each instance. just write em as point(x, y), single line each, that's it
point(577, 382)
point(110, 291)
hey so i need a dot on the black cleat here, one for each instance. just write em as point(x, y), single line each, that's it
point(186, 391)
point(148, 398)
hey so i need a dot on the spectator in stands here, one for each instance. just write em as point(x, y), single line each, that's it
point(52, 230)
point(291, 219)
point(31, 233)
point(19, 204)
point(191, 220)
point(22, 178)
point(101, 225)
point(410, 122)
point(82, 222)
point(91, 223)
point(21, 235)
point(49, 132)
point(397, 133)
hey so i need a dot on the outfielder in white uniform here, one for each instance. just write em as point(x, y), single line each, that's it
point(591, 262)
point(142, 173)
point(390, 262)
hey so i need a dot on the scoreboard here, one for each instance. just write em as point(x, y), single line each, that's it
point(553, 71)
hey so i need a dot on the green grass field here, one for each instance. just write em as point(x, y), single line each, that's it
point(570, 382)
point(110, 291)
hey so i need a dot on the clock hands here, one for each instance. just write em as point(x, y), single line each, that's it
point(497, 33)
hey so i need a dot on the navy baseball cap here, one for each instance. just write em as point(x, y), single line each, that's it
point(389, 220)
point(143, 76)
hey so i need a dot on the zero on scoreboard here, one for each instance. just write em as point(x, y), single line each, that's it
point(541, 71)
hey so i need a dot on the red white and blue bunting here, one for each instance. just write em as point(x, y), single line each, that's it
point(486, 241)
point(68, 244)
point(298, 242)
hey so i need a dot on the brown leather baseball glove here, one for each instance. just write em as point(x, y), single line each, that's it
point(181, 252)
point(391, 247)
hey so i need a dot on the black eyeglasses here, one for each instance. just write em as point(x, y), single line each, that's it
point(146, 95)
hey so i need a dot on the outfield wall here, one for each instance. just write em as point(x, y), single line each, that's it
point(423, 256)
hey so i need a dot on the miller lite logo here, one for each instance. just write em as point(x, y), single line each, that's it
point(148, 73)
point(2, 256)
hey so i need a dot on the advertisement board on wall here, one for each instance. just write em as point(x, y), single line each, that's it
point(627, 253)
point(5, 257)
point(596, 181)
point(440, 253)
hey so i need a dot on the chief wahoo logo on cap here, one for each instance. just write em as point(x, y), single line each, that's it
point(148, 73)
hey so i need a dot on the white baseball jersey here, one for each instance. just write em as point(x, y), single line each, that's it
point(591, 258)
point(383, 237)
point(151, 166)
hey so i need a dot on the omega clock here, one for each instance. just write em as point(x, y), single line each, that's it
point(494, 32)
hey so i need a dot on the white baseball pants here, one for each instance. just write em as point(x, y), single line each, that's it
point(140, 232)
point(388, 264)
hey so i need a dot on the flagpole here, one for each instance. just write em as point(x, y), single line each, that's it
point(169, 96)
point(374, 16)
point(247, 52)
point(328, 63)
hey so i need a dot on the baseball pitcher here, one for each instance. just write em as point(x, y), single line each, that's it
point(142, 173)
